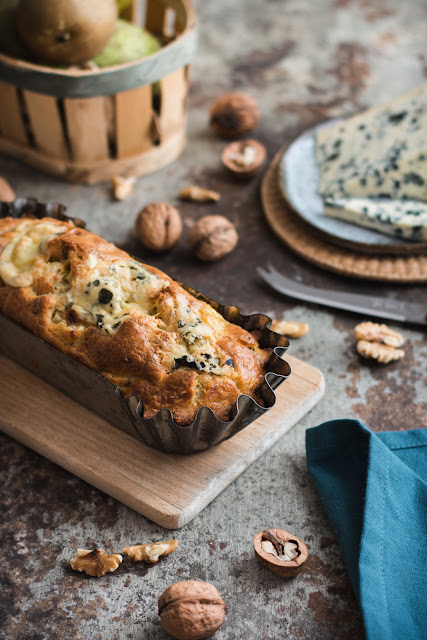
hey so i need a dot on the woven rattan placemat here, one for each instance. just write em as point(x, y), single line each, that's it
point(301, 239)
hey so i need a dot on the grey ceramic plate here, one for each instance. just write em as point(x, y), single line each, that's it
point(299, 179)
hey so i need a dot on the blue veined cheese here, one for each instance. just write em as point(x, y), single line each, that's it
point(400, 218)
point(381, 152)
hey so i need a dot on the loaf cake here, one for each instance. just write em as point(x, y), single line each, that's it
point(126, 320)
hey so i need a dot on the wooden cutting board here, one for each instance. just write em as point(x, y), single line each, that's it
point(167, 488)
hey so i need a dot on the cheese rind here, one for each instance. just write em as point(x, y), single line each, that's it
point(400, 218)
point(381, 152)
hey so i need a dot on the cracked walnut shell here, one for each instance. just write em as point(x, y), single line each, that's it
point(280, 551)
point(212, 237)
point(96, 562)
point(191, 610)
point(150, 552)
point(234, 114)
point(158, 226)
point(244, 158)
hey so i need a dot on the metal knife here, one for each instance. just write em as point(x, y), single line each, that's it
point(399, 310)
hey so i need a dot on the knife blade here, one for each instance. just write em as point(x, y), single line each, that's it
point(398, 310)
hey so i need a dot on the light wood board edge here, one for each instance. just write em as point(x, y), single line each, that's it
point(231, 472)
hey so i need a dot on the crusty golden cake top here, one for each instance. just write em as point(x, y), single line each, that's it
point(125, 320)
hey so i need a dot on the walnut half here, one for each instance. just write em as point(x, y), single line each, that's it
point(381, 333)
point(381, 352)
point(289, 329)
point(198, 194)
point(150, 552)
point(96, 562)
point(122, 187)
point(280, 551)
point(378, 341)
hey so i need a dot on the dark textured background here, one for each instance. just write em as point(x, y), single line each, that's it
point(304, 61)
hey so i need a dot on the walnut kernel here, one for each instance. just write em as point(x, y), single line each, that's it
point(212, 237)
point(378, 341)
point(244, 158)
point(280, 551)
point(198, 194)
point(191, 610)
point(234, 115)
point(381, 352)
point(381, 333)
point(158, 226)
point(95, 562)
point(122, 187)
point(290, 329)
point(290, 550)
point(150, 552)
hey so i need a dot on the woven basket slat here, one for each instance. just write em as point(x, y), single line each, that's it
point(12, 126)
point(155, 17)
point(174, 93)
point(134, 116)
point(45, 124)
point(87, 127)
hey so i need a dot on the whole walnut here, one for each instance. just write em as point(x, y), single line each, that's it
point(234, 115)
point(191, 610)
point(158, 226)
point(212, 237)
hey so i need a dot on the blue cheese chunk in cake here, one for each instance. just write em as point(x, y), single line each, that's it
point(400, 218)
point(381, 152)
point(125, 320)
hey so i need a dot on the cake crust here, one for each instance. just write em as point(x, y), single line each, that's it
point(125, 320)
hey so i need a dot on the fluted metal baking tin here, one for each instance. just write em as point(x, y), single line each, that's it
point(103, 397)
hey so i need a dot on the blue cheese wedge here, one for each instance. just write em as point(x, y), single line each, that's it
point(381, 152)
point(400, 218)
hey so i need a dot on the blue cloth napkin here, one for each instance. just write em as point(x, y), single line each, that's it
point(374, 489)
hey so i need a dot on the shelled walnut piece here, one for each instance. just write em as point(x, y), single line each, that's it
point(195, 193)
point(280, 551)
point(150, 552)
point(122, 187)
point(379, 342)
point(95, 562)
point(191, 610)
point(290, 329)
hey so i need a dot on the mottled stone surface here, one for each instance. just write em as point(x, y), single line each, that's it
point(304, 61)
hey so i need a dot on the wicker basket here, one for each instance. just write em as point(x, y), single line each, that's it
point(88, 126)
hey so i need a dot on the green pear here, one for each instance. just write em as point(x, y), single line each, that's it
point(128, 42)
